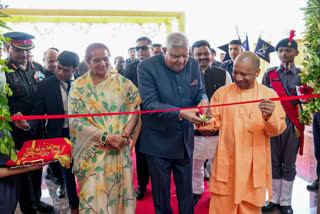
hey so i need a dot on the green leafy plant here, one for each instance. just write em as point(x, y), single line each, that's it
point(311, 63)
point(7, 145)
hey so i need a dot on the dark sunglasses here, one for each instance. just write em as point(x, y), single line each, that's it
point(144, 48)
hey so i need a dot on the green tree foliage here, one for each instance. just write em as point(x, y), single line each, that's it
point(310, 74)
point(7, 145)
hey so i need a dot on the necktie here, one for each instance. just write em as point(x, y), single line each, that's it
point(69, 84)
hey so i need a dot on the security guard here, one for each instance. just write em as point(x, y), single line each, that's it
point(24, 83)
point(234, 50)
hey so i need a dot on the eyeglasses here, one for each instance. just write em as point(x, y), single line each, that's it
point(144, 48)
point(64, 70)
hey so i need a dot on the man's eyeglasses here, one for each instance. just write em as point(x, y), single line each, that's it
point(64, 70)
point(144, 48)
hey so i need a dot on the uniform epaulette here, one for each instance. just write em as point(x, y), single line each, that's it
point(272, 69)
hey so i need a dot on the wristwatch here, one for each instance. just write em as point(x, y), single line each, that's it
point(26, 129)
point(104, 138)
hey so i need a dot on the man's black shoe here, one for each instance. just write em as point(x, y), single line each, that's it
point(269, 207)
point(61, 191)
point(140, 192)
point(286, 209)
point(48, 177)
point(52, 178)
point(314, 186)
point(44, 207)
point(196, 198)
point(29, 211)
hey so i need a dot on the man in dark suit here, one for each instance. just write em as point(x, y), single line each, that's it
point(213, 61)
point(52, 99)
point(170, 81)
point(54, 170)
point(234, 49)
point(50, 61)
point(143, 50)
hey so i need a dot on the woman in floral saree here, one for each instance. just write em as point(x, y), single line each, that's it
point(102, 161)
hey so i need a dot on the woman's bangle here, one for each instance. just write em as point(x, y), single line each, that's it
point(104, 138)
point(125, 135)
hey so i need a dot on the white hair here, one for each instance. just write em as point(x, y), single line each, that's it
point(49, 50)
point(177, 40)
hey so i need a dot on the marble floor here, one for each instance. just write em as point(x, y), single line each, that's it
point(49, 196)
point(303, 202)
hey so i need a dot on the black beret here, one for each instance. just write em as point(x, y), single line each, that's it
point(20, 40)
point(68, 58)
point(284, 43)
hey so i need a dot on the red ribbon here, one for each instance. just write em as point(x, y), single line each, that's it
point(41, 117)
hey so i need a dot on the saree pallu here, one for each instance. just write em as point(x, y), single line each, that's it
point(104, 175)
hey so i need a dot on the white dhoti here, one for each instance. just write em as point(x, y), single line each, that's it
point(204, 148)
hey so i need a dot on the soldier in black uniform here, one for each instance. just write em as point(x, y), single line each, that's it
point(24, 83)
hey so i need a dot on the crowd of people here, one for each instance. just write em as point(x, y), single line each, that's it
point(246, 150)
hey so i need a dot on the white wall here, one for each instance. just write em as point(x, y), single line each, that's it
point(212, 20)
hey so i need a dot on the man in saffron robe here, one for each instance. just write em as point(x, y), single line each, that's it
point(241, 171)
